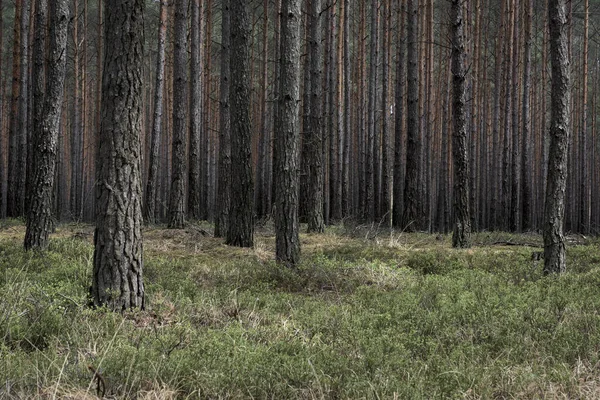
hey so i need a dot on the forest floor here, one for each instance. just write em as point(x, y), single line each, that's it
point(368, 314)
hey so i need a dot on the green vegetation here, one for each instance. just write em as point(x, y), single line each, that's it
point(365, 316)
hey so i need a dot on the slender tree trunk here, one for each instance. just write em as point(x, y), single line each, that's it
point(346, 191)
point(412, 216)
point(461, 236)
point(23, 123)
point(526, 128)
point(585, 218)
point(386, 175)
point(399, 121)
point(180, 102)
point(515, 201)
point(150, 210)
point(12, 189)
point(118, 263)
point(46, 125)
point(560, 98)
point(287, 137)
point(372, 158)
point(194, 191)
point(240, 233)
point(314, 135)
point(224, 172)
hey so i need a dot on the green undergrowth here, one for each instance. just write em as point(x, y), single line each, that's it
point(396, 316)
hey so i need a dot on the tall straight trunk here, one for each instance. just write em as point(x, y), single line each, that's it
point(38, 78)
point(560, 99)
point(399, 119)
point(372, 158)
point(314, 135)
point(224, 171)
point(12, 183)
point(506, 139)
point(77, 115)
point(287, 137)
point(180, 103)
point(46, 126)
point(240, 233)
point(515, 204)
point(2, 100)
point(346, 192)
point(585, 218)
point(461, 236)
point(118, 263)
point(150, 210)
point(194, 198)
point(412, 215)
point(262, 186)
point(386, 176)
point(23, 123)
point(475, 117)
point(526, 220)
point(207, 188)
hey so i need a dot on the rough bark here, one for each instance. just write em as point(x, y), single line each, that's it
point(585, 217)
point(46, 126)
point(287, 138)
point(180, 102)
point(461, 236)
point(314, 134)
point(240, 233)
point(118, 263)
point(372, 147)
point(194, 191)
point(560, 98)
point(412, 215)
point(12, 172)
point(224, 172)
point(399, 131)
point(150, 211)
point(23, 123)
point(526, 127)
point(386, 175)
point(346, 192)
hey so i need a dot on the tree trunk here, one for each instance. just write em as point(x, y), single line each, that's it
point(287, 137)
point(23, 123)
point(560, 98)
point(399, 119)
point(150, 211)
point(240, 233)
point(118, 263)
point(180, 102)
point(46, 125)
point(461, 236)
point(585, 218)
point(412, 217)
point(224, 173)
point(314, 134)
point(194, 191)
point(526, 128)
point(12, 189)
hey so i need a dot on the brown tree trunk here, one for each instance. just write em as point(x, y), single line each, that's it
point(287, 137)
point(346, 190)
point(240, 233)
point(461, 236)
point(412, 216)
point(314, 135)
point(150, 211)
point(399, 119)
point(224, 172)
point(12, 189)
point(194, 192)
point(560, 99)
point(585, 218)
point(526, 127)
point(118, 263)
point(180, 103)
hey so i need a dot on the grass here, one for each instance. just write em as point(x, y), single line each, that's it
point(368, 315)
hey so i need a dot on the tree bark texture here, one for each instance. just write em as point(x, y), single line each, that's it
point(46, 127)
point(150, 210)
point(461, 236)
point(118, 263)
point(180, 102)
point(314, 134)
point(560, 107)
point(194, 198)
point(287, 248)
point(241, 212)
point(224, 172)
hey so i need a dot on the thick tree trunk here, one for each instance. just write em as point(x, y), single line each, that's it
point(461, 236)
point(314, 134)
point(46, 126)
point(194, 192)
point(287, 137)
point(118, 264)
point(180, 103)
point(150, 211)
point(241, 211)
point(224, 172)
point(560, 99)
point(412, 216)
